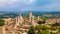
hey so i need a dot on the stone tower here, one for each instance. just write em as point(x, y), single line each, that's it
point(19, 20)
point(38, 18)
point(32, 20)
point(30, 16)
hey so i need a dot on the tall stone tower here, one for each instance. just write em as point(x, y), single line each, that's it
point(19, 20)
point(32, 20)
point(16, 19)
point(38, 18)
point(30, 16)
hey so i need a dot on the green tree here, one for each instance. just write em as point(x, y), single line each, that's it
point(31, 30)
point(45, 28)
point(56, 24)
point(41, 22)
point(59, 29)
point(38, 27)
point(44, 32)
point(1, 22)
point(53, 28)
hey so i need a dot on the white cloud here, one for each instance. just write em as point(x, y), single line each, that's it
point(5, 3)
point(51, 7)
point(54, 6)
point(10, 3)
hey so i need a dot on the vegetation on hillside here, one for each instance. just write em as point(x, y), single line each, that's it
point(1, 22)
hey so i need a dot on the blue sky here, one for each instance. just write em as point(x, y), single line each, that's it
point(29, 5)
